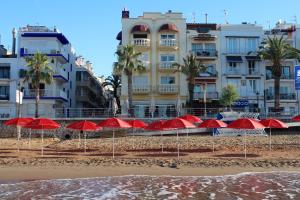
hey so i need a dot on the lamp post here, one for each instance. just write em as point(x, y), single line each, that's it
point(257, 99)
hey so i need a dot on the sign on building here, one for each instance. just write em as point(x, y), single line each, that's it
point(297, 77)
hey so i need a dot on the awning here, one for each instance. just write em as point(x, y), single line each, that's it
point(119, 36)
point(236, 59)
point(140, 28)
point(253, 58)
point(168, 27)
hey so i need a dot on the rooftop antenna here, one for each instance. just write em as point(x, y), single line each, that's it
point(225, 16)
point(194, 17)
point(206, 17)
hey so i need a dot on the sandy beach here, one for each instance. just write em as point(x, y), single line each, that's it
point(144, 156)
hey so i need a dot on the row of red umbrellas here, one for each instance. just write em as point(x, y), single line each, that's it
point(186, 121)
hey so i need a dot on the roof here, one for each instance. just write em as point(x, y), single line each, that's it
point(140, 28)
point(168, 27)
point(59, 36)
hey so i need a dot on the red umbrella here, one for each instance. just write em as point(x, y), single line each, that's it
point(83, 126)
point(178, 123)
point(212, 123)
point(296, 118)
point(191, 118)
point(272, 123)
point(42, 124)
point(157, 126)
point(18, 122)
point(136, 124)
point(245, 123)
point(114, 123)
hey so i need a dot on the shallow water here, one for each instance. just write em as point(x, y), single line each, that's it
point(275, 185)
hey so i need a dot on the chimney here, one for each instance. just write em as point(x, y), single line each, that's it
point(14, 33)
point(125, 13)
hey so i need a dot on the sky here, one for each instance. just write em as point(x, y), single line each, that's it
point(92, 25)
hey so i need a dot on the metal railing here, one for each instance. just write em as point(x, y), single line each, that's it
point(30, 93)
point(166, 65)
point(138, 89)
point(205, 52)
point(168, 88)
point(288, 96)
point(209, 95)
point(141, 42)
point(253, 72)
point(168, 42)
point(60, 71)
point(283, 76)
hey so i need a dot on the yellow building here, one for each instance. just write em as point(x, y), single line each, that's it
point(162, 40)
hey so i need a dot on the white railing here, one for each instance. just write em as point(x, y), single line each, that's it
point(62, 52)
point(166, 65)
point(168, 42)
point(45, 93)
point(141, 42)
point(140, 88)
point(168, 88)
point(233, 72)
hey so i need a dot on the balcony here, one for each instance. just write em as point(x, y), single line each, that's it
point(140, 89)
point(209, 95)
point(46, 94)
point(211, 74)
point(140, 42)
point(233, 72)
point(206, 53)
point(168, 89)
point(59, 73)
point(283, 76)
point(253, 72)
point(87, 83)
point(288, 96)
point(166, 65)
point(62, 57)
point(168, 44)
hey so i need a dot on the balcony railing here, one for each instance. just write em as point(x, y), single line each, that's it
point(140, 89)
point(61, 55)
point(209, 95)
point(205, 53)
point(288, 96)
point(166, 65)
point(211, 73)
point(59, 72)
point(46, 94)
point(283, 76)
point(141, 42)
point(168, 42)
point(168, 88)
point(233, 72)
point(253, 72)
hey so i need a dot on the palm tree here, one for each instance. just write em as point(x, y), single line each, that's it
point(129, 62)
point(38, 72)
point(191, 68)
point(277, 50)
point(115, 82)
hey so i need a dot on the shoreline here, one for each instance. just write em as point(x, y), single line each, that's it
point(30, 173)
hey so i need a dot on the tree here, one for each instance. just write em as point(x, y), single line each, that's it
point(191, 68)
point(277, 50)
point(128, 62)
point(229, 95)
point(38, 72)
point(115, 82)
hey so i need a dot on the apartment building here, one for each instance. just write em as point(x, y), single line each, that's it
point(57, 98)
point(161, 38)
point(240, 65)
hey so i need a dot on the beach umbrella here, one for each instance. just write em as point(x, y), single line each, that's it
point(178, 123)
point(245, 123)
point(296, 118)
point(18, 123)
point(114, 123)
point(136, 124)
point(272, 123)
point(42, 124)
point(157, 126)
point(83, 126)
point(191, 118)
point(213, 123)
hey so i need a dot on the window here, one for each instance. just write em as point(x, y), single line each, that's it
point(167, 36)
point(144, 57)
point(233, 45)
point(210, 46)
point(140, 36)
point(167, 80)
point(251, 44)
point(4, 92)
point(285, 72)
point(140, 80)
point(5, 72)
point(197, 47)
point(253, 85)
point(232, 66)
point(251, 67)
point(167, 58)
